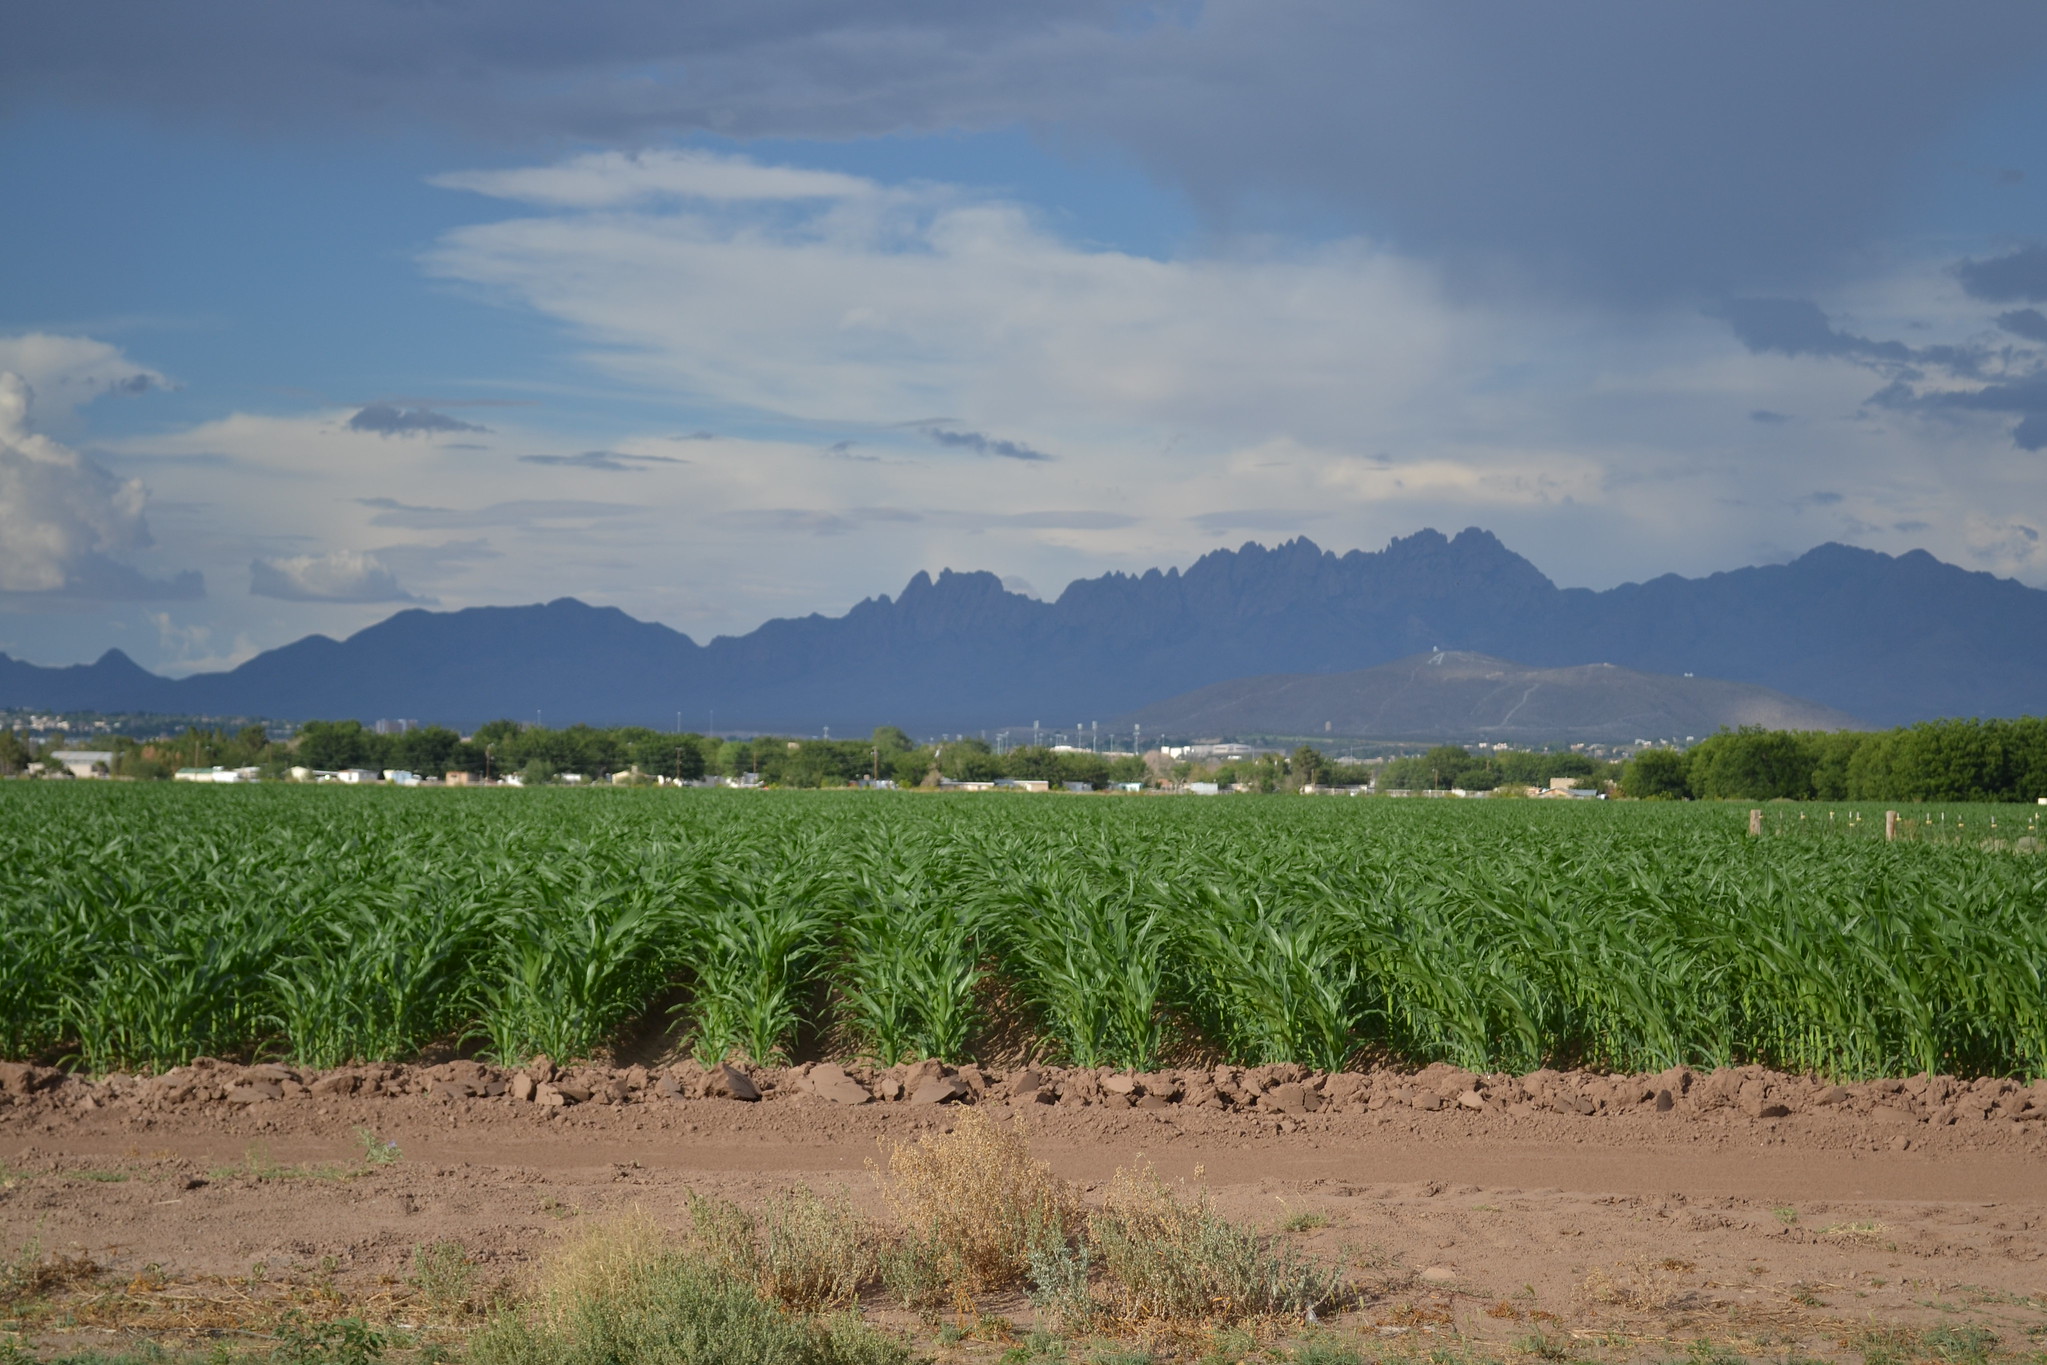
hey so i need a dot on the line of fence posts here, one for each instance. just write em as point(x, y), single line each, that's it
point(1755, 825)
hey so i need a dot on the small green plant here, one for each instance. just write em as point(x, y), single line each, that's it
point(1327, 1353)
point(1544, 1346)
point(1786, 1215)
point(1705, 1352)
point(344, 1341)
point(1901, 1346)
point(443, 1275)
point(1059, 1281)
point(1307, 1220)
point(1039, 1348)
point(376, 1152)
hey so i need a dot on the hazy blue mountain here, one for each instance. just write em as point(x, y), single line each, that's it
point(1451, 694)
point(1888, 639)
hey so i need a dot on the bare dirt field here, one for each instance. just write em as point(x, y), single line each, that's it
point(1547, 1216)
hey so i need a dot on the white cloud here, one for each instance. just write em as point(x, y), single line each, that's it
point(894, 307)
point(337, 576)
point(64, 521)
point(65, 372)
point(610, 179)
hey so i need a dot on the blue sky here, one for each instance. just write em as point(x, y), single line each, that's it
point(717, 313)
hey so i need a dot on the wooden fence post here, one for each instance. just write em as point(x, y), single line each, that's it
point(1890, 825)
point(1755, 822)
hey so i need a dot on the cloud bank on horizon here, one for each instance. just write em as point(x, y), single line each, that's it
point(397, 294)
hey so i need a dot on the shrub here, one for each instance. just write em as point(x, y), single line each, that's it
point(978, 1203)
point(801, 1250)
point(1176, 1261)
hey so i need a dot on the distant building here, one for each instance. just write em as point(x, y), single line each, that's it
point(1204, 788)
point(395, 727)
point(399, 777)
point(85, 762)
point(225, 775)
point(460, 779)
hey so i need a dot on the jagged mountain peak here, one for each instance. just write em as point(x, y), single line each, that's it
point(1887, 638)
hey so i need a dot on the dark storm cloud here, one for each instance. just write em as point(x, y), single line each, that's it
point(1631, 151)
point(386, 419)
point(984, 445)
point(2019, 277)
point(1798, 327)
point(2024, 322)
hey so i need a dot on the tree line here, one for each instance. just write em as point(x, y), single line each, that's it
point(1940, 760)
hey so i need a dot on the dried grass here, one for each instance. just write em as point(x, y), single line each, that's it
point(974, 1202)
point(609, 1260)
point(802, 1249)
point(1173, 1261)
point(29, 1274)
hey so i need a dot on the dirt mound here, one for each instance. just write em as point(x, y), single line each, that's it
point(1893, 1112)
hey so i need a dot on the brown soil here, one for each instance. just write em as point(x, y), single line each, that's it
point(1503, 1216)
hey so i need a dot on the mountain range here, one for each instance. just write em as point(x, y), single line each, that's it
point(1454, 694)
point(1891, 639)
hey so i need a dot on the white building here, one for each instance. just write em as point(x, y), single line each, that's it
point(86, 762)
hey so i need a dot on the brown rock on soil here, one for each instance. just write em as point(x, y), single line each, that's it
point(256, 1092)
point(941, 1090)
point(829, 1082)
point(727, 1084)
point(1120, 1083)
point(1025, 1085)
point(1290, 1097)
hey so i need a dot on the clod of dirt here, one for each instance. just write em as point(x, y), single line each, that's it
point(940, 1090)
point(725, 1083)
point(829, 1082)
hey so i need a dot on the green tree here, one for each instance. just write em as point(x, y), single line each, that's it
point(1128, 769)
point(1752, 764)
point(332, 744)
point(1656, 775)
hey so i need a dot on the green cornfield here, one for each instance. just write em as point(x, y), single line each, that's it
point(144, 925)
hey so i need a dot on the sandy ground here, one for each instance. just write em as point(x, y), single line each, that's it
point(1626, 1232)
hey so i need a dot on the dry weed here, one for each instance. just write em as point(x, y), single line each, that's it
point(1642, 1287)
point(802, 1249)
point(29, 1274)
point(607, 1261)
point(1173, 1261)
point(973, 1203)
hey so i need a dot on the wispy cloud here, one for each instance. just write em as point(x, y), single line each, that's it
point(609, 460)
point(388, 419)
point(984, 445)
point(525, 512)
